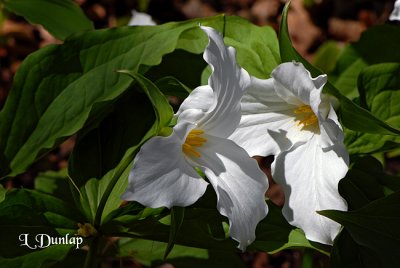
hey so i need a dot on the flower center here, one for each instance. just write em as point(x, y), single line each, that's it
point(308, 117)
point(192, 141)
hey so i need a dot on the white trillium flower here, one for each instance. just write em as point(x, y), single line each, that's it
point(164, 172)
point(395, 15)
point(288, 116)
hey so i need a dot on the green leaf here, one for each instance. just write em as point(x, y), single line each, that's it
point(366, 181)
point(274, 234)
point(374, 226)
point(30, 212)
point(386, 37)
point(348, 254)
point(60, 17)
point(355, 57)
point(180, 64)
point(379, 87)
point(162, 109)
point(61, 89)
point(150, 253)
point(48, 257)
point(147, 252)
point(326, 56)
point(177, 216)
point(111, 144)
point(171, 86)
point(100, 150)
point(353, 116)
point(55, 183)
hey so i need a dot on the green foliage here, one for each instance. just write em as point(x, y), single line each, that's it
point(364, 188)
point(357, 56)
point(30, 212)
point(109, 89)
point(375, 227)
point(60, 17)
point(48, 257)
point(177, 216)
point(326, 56)
point(61, 89)
point(379, 87)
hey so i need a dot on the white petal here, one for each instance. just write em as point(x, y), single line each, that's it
point(293, 82)
point(395, 15)
point(240, 186)
point(310, 177)
point(268, 124)
point(139, 18)
point(200, 100)
point(161, 175)
point(228, 82)
point(331, 130)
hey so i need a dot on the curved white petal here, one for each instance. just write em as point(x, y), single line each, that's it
point(268, 124)
point(161, 175)
point(293, 82)
point(228, 81)
point(310, 176)
point(331, 130)
point(201, 98)
point(240, 186)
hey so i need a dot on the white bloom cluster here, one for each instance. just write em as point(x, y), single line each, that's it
point(222, 125)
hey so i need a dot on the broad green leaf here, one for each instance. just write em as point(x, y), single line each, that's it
point(257, 47)
point(366, 181)
point(62, 89)
point(274, 234)
point(30, 212)
point(113, 143)
point(177, 216)
point(101, 149)
point(374, 226)
point(180, 64)
point(55, 183)
point(146, 251)
point(355, 57)
point(150, 253)
point(348, 254)
point(385, 37)
point(326, 56)
point(162, 109)
point(48, 257)
point(60, 17)
point(353, 116)
point(379, 87)
point(347, 81)
point(202, 225)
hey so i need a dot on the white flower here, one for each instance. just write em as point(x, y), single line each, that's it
point(139, 18)
point(164, 170)
point(288, 116)
point(395, 15)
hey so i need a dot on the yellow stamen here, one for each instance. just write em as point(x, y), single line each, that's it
point(303, 109)
point(308, 117)
point(193, 140)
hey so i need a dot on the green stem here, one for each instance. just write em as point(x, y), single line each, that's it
point(91, 258)
point(117, 174)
